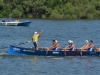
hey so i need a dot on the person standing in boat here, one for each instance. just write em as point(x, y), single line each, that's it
point(91, 46)
point(85, 47)
point(71, 46)
point(35, 39)
point(54, 45)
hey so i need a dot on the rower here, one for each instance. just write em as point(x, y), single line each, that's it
point(69, 43)
point(97, 49)
point(91, 46)
point(85, 47)
point(54, 45)
point(71, 46)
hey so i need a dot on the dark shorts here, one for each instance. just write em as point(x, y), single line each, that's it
point(55, 49)
point(72, 49)
point(90, 49)
point(35, 43)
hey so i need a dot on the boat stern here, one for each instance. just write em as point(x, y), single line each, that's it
point(24, 23)
point(14, 51)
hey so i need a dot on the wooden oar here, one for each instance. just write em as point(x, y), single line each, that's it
point(16, 44)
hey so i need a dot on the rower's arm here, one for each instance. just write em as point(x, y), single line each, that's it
point(91, 46)
point(72, 46)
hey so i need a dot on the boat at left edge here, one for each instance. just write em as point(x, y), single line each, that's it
point(16, 23)
point(9, 23)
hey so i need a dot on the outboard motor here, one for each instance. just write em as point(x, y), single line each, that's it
point(3, 20)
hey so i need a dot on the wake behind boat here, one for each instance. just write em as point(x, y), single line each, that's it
point(13, 50)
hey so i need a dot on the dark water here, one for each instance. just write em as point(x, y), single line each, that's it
point(61, 30)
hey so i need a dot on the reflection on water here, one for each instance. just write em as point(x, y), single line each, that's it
point(34, 61)
point(49, 65)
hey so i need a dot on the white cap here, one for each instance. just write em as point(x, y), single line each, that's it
point(86, 41)
point(35, 32)
point(69, 41)
point(56, 41)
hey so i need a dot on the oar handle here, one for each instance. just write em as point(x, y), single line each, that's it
point(30, 41)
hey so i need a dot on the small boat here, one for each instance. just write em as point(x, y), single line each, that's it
point(13, 50)
point(15, 23)
point(9, 23)
point(24, 23)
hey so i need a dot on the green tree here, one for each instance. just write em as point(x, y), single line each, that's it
point(58, 9)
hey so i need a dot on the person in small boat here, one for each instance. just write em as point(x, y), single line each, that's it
point(35, 39)
point(9, 19)
point(71, 46)
point(85, 47)
point(16, 20)
point(91, 46)
point(54, 46)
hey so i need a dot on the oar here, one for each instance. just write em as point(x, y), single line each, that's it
point(16, 44)
point(4, 47)
point(22, 43)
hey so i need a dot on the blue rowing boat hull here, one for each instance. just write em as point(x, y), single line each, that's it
point(24, 23)
point(13, 50)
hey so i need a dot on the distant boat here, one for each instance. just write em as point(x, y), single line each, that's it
point(16, 23)
point(9, 23)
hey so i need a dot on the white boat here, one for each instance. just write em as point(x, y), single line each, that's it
point(9, 23)
point(15, 23)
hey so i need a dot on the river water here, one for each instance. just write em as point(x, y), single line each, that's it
point(61, 30)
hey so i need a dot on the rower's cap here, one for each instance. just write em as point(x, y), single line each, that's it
point(35, 32)
point(86, 41)
point(56, 41)
point(69, 41)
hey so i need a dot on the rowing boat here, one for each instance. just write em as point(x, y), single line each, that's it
point(13, 50)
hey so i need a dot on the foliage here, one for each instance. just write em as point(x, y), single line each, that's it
point(55, 9)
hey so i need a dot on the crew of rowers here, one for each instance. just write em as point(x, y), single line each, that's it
point(71, 47)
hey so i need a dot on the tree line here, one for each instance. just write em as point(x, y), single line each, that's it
point(52, 9)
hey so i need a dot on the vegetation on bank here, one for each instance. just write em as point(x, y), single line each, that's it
point(55, 9)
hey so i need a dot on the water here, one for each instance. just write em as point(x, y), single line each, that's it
point(61, 30)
